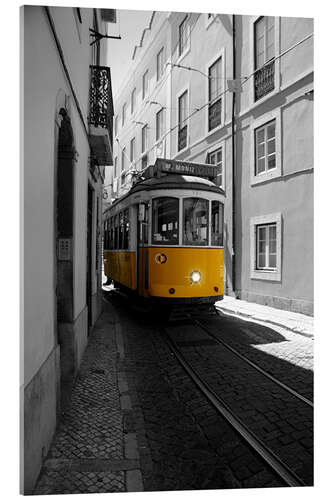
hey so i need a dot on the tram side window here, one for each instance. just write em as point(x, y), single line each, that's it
point(165, 221)
point(217, 223)
point(111, 229)
point(124, 229)
point(121, 231)
point(116, 232)
point(143, 226)
point(195, 224)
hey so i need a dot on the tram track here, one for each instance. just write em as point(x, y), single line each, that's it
point(255, 366)
point(271, 457)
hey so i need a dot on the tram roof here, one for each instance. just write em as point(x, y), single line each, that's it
point(175, 181)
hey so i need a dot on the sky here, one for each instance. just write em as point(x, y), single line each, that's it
point(130, 25)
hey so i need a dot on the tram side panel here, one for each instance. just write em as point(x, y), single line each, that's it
point(120, 266)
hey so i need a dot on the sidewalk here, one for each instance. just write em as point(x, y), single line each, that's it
point(295, 322)
point(92, 451)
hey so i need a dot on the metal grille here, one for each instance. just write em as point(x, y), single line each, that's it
point(264, 80)
point(101, 109)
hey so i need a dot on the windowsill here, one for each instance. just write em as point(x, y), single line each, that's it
point(214, 130)
point(266, 275)
point(265, 177)
point(263, 99)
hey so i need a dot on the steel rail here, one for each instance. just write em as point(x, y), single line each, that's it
point(274, 462)
point(254, 365)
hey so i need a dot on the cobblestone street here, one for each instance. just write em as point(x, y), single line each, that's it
point(136, 422)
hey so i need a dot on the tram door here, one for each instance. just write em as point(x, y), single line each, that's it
point(142, 253)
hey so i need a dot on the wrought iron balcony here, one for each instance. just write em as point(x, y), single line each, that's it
point(101, 114)
point(182, 137)
point(264, 80)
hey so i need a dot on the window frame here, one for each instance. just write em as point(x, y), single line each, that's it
point(160, 64)
point(144, 131)
point(185, 119)
point(213, 102)
point(123, 160)
point(255, 125)
point(213, 150)
point(116, 166)
point(179, 214)
point(160, 130)
point(266, 155)
point(252, 68)
point(183, 240)
point(183, 50)
point(133, 100)
point(132, 149)
point(268, 274)
point(145, 85)
point(123, 114)
point(267, 253)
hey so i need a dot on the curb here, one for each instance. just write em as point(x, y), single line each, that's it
point(253, 317)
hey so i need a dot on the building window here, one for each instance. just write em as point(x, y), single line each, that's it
point(133, 100)
point(264, 40)
point(215, 158)
point(123, 178)
point(266, 247)
point(124, 112)
point(159, 124)
point(184, 36)
point(144, 138)
point(182, 120)
point(144, 162)
point(116, 126)
point(115, 167)
point(265, 148)
point(123, 159)
point(265, 154)
point(214, 94)
point(145, 85)
point(132, 149)
point(160, 64)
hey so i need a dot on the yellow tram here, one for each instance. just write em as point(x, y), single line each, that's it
point(163, 240)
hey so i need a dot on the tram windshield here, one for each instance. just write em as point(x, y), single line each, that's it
point(217, 223)
point(165, 221)
point(195, 222)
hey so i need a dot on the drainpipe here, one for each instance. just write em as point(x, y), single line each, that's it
point(233, 145)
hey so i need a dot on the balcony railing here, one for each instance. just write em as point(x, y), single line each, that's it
point(101, 114)
point(264, 80)
point(182, 137)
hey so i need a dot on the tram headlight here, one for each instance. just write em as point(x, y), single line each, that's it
point(195, 276)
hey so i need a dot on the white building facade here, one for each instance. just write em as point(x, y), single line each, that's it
point(237, 92)
point(67, 142)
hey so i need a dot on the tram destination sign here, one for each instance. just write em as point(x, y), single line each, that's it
point(163, 166)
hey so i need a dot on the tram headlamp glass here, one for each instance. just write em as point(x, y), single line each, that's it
point(195, 276)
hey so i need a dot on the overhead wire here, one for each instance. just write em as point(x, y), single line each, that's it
point(246, 79)
point(243, 80)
